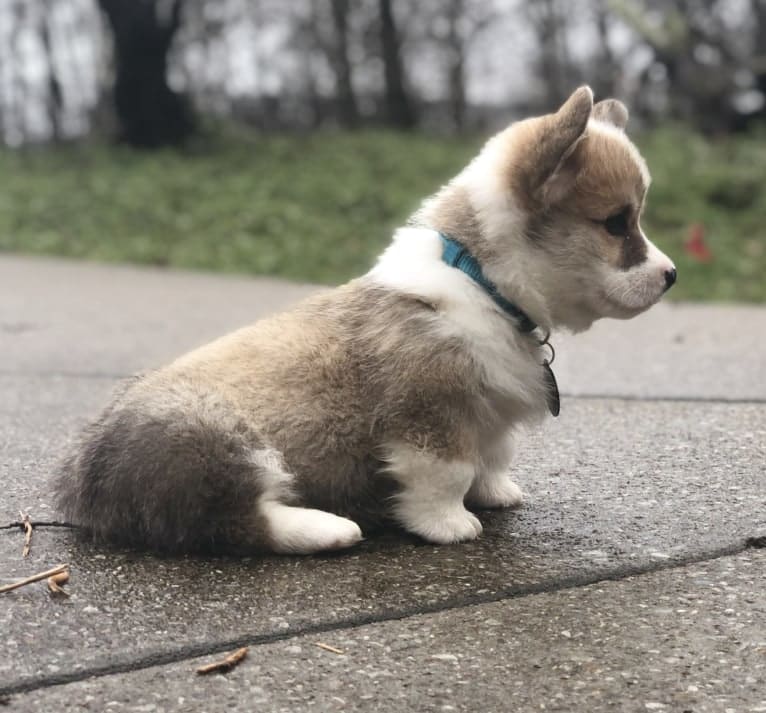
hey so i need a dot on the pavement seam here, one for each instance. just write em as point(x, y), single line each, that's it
point(67, 374)
point(106, 376)
point(186, 653)
point(670, 399)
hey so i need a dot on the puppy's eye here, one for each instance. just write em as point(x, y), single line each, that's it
point(617, 224)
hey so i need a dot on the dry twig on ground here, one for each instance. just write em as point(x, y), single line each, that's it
point(34, 578)
point(329, 648)
point(55, 582)
point(226, 664)
point(27, 525)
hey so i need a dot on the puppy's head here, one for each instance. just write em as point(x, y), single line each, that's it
point(580, 186)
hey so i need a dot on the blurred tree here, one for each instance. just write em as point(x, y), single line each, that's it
point(455, 45)
point(451, 27)
point(324, 33)
point(15, 104)
point(149, 112)
point(702, 51)
point(55, 95)
point(606, 70)
point(299, 64)
point(466, 19)
point(399, 106)
point(548, 20)
point(306, 39)
point(758, 9)
point(341, 62)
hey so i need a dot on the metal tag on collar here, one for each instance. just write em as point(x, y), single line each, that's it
point(552, 388)
point(553, 400)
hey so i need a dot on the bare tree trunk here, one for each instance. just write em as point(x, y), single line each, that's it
point(456, 64)
point(607, 71)
point(553, 67)
point(6, 106)
point(398, 103)
point(346, 98)
point(150, 113)
point(54, 99)
point(20, 88)
point(759, 15)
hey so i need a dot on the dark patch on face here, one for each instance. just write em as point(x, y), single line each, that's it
point(622, 226)
point(634, 250)
point(617, 224)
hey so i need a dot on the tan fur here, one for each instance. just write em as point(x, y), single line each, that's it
point(611, 111)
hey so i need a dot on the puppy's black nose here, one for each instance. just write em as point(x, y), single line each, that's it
point(670, 278)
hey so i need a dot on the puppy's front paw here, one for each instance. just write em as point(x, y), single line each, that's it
point(446, 527)
point(497, 492)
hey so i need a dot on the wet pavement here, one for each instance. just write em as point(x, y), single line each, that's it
point(646, 500)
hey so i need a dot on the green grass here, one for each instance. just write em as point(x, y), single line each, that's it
point(321, 207)
point(722, 185)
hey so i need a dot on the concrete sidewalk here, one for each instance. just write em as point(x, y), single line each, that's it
point(633, 578)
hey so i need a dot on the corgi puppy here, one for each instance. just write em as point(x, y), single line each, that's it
point(394, 397)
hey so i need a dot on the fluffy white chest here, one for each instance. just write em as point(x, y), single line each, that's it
point(508, 359)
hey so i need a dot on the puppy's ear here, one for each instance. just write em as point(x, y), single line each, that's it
point(556, 166)
point(611, 111)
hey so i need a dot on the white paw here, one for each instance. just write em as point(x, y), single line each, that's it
point(303, 531)
point(455, 525)
point(498, 492)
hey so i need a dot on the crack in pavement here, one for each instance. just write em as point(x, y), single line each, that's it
point(671, 399)
point(184, 653)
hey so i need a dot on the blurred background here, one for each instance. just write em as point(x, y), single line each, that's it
point(289, 137)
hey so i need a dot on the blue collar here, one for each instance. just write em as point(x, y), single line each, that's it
point(455, 255)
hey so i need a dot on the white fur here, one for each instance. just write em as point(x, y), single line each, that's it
point(515, 271)
point(510, 360)
point(430, 503)
point(493, 487)
point(276, 481)
point(303, 531)
point(297, 530)
point(495, 490)
point(270, 459)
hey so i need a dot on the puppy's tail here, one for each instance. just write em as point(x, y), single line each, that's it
point(173, 481)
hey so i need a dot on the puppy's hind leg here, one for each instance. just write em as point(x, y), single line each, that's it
point(430, 503)
point(290, 529)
